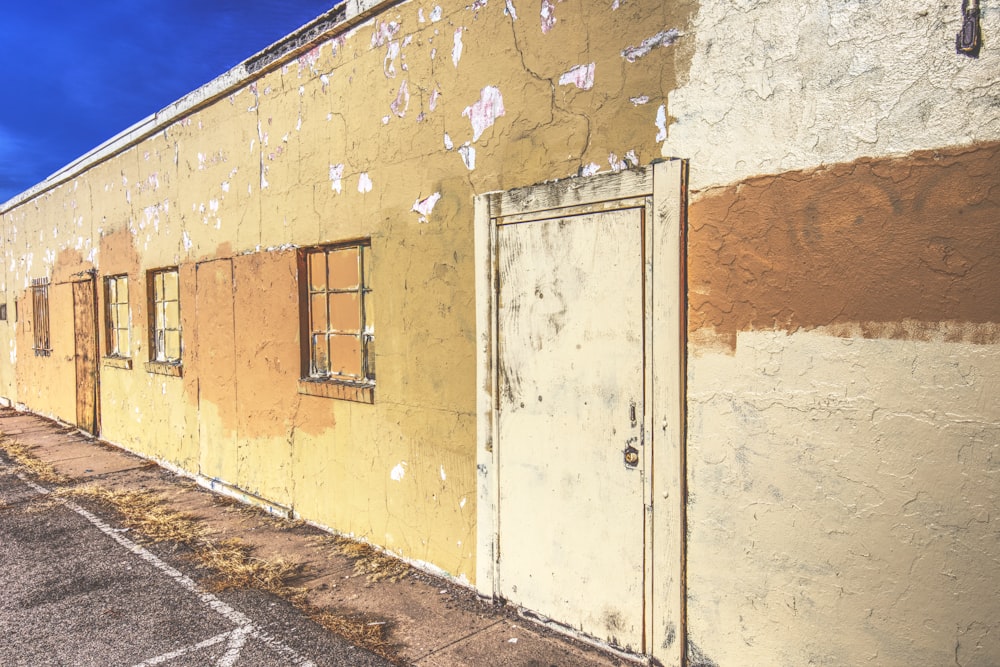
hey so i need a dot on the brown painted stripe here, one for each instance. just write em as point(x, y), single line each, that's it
point(905, 247)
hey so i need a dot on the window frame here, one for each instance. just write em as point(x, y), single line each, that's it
point(160, 361)
point(314, 378)
point(112, 317)
point(40, 311)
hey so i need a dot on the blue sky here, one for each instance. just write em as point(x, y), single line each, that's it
point(75, 74)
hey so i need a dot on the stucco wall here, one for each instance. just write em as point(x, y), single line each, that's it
point(387, 131)
point(843, 353)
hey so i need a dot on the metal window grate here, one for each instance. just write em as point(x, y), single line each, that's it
point(40, 316)
point(339, 326)
point(165, 329)
point(117, 316)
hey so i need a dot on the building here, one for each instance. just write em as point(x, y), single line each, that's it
point(677, 324)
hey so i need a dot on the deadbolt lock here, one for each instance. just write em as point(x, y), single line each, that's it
point(631, 456)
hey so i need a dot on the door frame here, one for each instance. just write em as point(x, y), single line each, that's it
point(87, 280)
point(665, 380)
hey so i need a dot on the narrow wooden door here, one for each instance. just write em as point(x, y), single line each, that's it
point(571, 418)
point(216, 370)
point(86, 354)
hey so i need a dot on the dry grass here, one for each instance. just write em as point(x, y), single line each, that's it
point(37, 468)
point(144, 512)
point(375, 565)
point(233, 565)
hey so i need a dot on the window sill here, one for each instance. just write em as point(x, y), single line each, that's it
point(118, 362)
point(332, 389)
point(164, 368)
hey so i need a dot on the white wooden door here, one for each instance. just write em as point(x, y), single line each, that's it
point(570, 417)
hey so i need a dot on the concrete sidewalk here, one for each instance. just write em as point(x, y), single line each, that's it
point(427, 621)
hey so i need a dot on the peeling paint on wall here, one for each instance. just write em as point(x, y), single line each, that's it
point(484, 113)
point(664, 38)
point(581, 76)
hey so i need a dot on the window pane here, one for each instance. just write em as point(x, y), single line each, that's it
point(122, 316)
point(170, 285)
point(113, 341)
point(159, 342)
point(345, 355)
point(345, 313)
point(158, 287)
point(317, 271)
point(171, 315)
point(173, 345)
point(112, 290)
point(319, 355)
point(343, 268)
point(370, 359)
point(366, 261)
point(369, 320)
point(124, 343)
point(317, 312)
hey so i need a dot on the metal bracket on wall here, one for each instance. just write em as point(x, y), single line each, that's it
point(970, 38)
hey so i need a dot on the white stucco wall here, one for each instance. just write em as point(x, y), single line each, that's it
point(777, 85)
point(844, 505)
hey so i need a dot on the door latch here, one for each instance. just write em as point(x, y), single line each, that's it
point(631, 456)
point(970, 38)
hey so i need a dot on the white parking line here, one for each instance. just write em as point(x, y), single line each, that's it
point(245, 625)
point(236, 641)
point(167, 657)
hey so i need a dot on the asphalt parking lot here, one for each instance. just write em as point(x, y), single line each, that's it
point(79, 591)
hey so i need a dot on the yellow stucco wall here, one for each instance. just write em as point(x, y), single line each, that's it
point(429, 104)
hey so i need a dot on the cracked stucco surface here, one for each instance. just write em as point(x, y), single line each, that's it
point(779, 85)
point(844, 496)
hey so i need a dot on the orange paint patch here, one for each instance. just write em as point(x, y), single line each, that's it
point(904, 248)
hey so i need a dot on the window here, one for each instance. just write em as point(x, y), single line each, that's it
point(3, 311)
point(117, 318)
point(40, 314)
point(339, 337)
point(165, 317)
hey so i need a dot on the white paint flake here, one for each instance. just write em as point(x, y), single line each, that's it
point(420, 16)
point(581, 76)
point(590, 169)
point(225, 186)
point(389, 63)
point(336, 173)
point(456, 51)
point(398, 472)
point(661, 123)
point(664, 38)
point(426, 205)
point(616, 163)
point(639, 100)
point(384, 32)
point(461, 503)
point(477, 5)
point(548, 16)
point(468, 154)
point(402, 101)
point(364, 183)
point(325, 80)
point(436, 14)
point(448, 145)
point(435, 96)
point(484, 113)
point(509, 10)
point(443, 476)
point(186, 239)
point(632, 158)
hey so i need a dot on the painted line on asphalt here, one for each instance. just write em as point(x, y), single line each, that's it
point(236, 641)
point(167, 657)
point(217, 605)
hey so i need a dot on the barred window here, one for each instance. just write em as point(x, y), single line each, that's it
point(117, 317)
point(165, 317)
point(40, 316)
point(338, 297)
